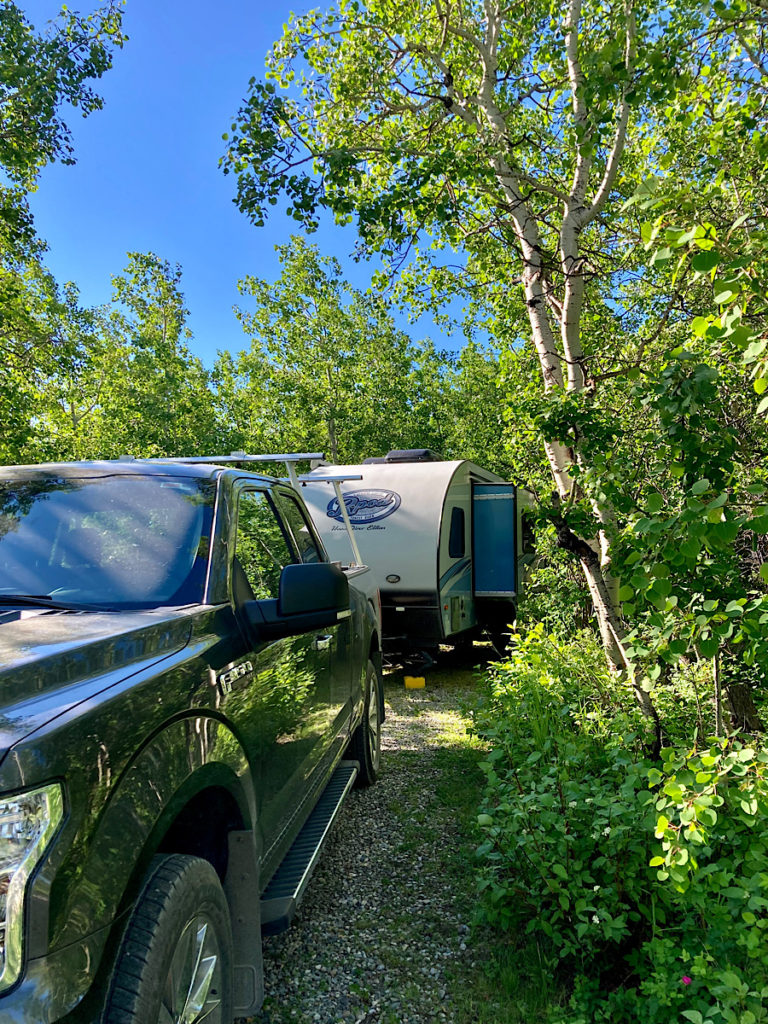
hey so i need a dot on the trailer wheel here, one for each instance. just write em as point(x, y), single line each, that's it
point(365, 745)
point(175, 960)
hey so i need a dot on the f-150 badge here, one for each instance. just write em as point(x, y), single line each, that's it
point(228, 678)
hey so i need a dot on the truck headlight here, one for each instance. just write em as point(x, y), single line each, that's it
point(27, 824)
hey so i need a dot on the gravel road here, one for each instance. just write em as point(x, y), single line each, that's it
point(383, 933)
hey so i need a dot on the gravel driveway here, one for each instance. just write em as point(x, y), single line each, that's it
point(383, 932)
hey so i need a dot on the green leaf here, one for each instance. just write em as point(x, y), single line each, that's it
point(755, 350)
point(724, 292)
point(709, 648)
point(654, 503)
point(707, 816)
point(690, 547)
point(559, 870)
point(705, 260)
point(731, 979)
point(700, 486)
point(763, 571)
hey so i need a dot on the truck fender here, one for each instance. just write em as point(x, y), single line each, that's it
point(185, 758)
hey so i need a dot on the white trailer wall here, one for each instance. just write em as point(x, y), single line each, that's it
point(401, 515)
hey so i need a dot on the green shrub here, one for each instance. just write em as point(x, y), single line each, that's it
point(564, 790)
point(645, 885)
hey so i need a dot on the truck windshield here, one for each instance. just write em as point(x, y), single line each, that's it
point(121, 541)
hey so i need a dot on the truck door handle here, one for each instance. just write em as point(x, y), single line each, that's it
point(322, 643)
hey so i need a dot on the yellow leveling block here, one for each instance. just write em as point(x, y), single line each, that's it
point(414, 682)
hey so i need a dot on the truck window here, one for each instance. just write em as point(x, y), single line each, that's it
point(261, 547)
point(456, 545)
point(116, 541)
point(306, 545)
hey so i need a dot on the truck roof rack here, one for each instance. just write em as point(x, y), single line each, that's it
point(289, 458)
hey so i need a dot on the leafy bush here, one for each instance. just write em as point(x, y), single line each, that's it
point(556, 593)
point(564, 789)
point(645, 885)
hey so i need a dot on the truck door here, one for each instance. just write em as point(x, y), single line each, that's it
point(334, 643)
point(288, 712)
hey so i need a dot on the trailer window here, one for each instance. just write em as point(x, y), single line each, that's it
point(456, 545)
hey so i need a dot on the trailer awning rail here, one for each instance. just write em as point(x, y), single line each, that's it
point(331, 478)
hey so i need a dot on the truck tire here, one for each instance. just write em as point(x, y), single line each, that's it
point(175, 958)
point(365, 745)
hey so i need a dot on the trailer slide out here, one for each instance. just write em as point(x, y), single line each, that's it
point(443, 539)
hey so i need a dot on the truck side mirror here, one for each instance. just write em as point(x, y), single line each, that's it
point(311, 596)
point(316, 586)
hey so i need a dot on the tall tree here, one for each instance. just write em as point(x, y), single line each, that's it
point(327, 368)
point(40, 74)
point(131, 384)
point(494, 127)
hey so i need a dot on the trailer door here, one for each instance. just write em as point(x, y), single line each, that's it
point(494, 541)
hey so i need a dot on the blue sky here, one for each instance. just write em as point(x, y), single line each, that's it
point(147, 176)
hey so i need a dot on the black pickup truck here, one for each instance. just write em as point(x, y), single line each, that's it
point(188, 689)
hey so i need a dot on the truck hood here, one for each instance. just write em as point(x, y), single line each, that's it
point(52, 660)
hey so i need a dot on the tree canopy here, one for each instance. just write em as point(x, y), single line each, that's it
point(553, 149)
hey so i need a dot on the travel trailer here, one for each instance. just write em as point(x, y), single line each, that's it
point(444, 539)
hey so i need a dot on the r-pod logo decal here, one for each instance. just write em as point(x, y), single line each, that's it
point(365, 507)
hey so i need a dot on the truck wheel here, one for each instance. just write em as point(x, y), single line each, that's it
point(365, 745)
point(174, 965)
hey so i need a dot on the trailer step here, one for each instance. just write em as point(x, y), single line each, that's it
point(286, 888)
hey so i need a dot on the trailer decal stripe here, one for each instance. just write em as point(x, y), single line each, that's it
point(459, 567)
